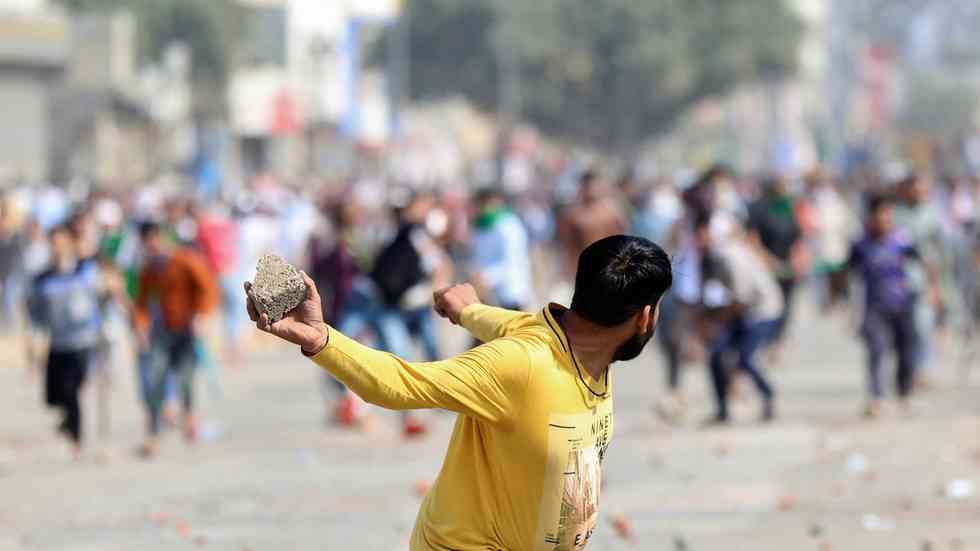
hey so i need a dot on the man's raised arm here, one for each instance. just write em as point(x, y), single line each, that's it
point(484, 383)
point(461, 305)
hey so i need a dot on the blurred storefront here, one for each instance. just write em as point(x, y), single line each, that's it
point(33, 52)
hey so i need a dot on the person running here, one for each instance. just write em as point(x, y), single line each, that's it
point(524, 466)
point(742, 297)
point(176, 290)
point(64, 303)
point(882, 257)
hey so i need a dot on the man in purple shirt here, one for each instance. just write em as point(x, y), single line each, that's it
point(882, 257)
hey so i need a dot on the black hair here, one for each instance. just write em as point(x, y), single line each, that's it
point(64, 227)
point(617, 277)
point(770, 182)
point(879, 201)
point(702, 219)
point(149, 228)
point(489, 193)
point(588, 176)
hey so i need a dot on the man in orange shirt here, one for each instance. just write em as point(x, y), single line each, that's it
point(176, 288)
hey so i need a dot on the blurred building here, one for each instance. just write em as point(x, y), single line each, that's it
point(105, 131)
point(69, 98)
point(300, 98)
point(34, 45)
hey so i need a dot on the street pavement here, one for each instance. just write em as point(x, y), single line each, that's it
point(271, 474)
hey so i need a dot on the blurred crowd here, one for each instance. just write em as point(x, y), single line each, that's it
point(96, 282)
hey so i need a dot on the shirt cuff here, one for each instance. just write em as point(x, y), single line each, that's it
point(466, 317)
point(329, 330)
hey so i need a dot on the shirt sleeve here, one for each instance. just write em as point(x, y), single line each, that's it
point(141, 310)
point(487, 323)
point(36, 310)
point(854, 258)
point(206, 293)
point(485, 383)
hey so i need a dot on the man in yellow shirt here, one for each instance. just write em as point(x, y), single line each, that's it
point(524, 465)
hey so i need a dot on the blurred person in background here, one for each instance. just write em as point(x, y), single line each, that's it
point(501, 263)
point(883, 258)
point(115, 306)
point(539, 221)
point(406, 271)
point(178, 223)
point(64, 304)
point(12, 270)
point(217, 239)
point(595, 215)
point(348, 297)
point(176, 290)
point(917, 215)
point(742, 299)
point(652, 217)
point(834, 227)
point(36, 259)
point(775, 230)
point(681, 307)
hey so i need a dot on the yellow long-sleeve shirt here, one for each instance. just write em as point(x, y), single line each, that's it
point(523, 469)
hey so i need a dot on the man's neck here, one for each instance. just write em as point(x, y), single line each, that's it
point(589, 342)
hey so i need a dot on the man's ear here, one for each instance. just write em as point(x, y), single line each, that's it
point(645, 320)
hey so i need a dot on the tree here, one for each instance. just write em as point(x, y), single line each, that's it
point(604, 73)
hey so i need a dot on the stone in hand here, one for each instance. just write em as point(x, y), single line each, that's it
point(278, 287)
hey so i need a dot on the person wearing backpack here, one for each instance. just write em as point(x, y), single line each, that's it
point(406, 272)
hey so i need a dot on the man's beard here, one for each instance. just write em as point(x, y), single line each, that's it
point(632, 348)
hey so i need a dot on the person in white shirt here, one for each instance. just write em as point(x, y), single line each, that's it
point(740, 293)
point(501, 253)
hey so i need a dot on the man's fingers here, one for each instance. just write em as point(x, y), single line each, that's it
point(311, 292)
point(253, 314)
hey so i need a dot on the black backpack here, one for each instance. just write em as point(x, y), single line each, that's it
point(398, 267)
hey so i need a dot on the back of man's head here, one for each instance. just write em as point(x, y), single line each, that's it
point(617, 277)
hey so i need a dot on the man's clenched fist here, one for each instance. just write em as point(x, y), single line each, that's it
point(451, 301)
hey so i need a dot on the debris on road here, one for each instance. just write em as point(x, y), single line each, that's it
point(422, 488)
point(959, 489)
point(623, 526)
point(857, 463)
point(183, 528)
point(816, 530)
point(875, 523)
point(786, 503)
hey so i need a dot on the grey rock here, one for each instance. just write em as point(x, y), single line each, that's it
point(278, 287)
